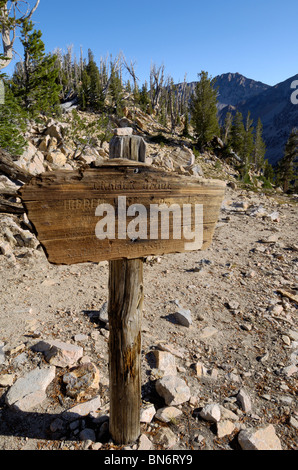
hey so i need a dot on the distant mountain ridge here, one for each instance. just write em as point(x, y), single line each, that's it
point(272, 104)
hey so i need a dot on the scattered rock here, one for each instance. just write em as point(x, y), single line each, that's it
point(211, 413)
point(30, 390)
point(147, 414)
point(208, 332)
point(260, 439)
point(82, 380)
point(58, 353)
point(145, 443)
point(225, 428)
point(173, 390)
point(166, 438)
point(245, 401)
point(183, 317)
point(166, 362)
point(82, 409)
point(168, 414)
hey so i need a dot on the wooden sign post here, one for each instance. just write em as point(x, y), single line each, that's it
point(122, 211)
point(125, 308)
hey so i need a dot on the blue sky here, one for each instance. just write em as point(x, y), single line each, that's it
point(257, 38)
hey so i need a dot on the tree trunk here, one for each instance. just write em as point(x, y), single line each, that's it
point(10, 169)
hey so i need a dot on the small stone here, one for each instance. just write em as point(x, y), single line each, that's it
point(211, 413)
point(103, 313)
point(123, 131)
point(183, 317)
point(170, 348)
point(288, 371)
point(293, 335)
point(228, 414)
point(6, 380)
point(286, 340)
point(208, 332)
point(57, 425)
point(168, 414)
point(173, 390)
point(80, 337)
point(225, 428)
point(144, 443)
point(261, 439)
point(87, 435)
point(232, 305)
point(97, 446)
point(166, 362)
point(271, 239)
point(57, 158)
point(244, 400)
point(166, 438)
point(293, 422)
point(2, 354)
point(82, 409)
point(147, 414)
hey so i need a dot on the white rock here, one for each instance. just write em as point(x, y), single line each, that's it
point(147, 414)
point(173, 390)
point(144, 443)
point(211, 413)
point(167, 414)
point(225, 428)
point(6, 380)
point(123, 131)
point(166, 362)
point(261, 439)
point(244, 399)
point(82, 409)
point(228, 414)
point(29, 391)
point(58, 353)
point(208, 332)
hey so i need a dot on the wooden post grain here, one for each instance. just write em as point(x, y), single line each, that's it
point(125, 315)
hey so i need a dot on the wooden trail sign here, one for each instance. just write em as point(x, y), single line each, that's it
point(121, 212)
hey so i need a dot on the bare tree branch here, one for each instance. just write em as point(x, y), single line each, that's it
point(11, 17)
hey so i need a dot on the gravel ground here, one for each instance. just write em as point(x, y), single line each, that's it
point(244, 287)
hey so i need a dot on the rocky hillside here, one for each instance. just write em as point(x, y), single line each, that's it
point(219, 332)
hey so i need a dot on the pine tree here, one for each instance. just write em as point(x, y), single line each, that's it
point(248, 142)
point(288, 165)
point(91, 92)
point(144, 98)
point(203, 110)
point(259, 150)
point(237, 134)
point(36, 79)
point(12, 123)
point(96, 98)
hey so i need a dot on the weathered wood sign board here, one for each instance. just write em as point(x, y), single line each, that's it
point(122, 209)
